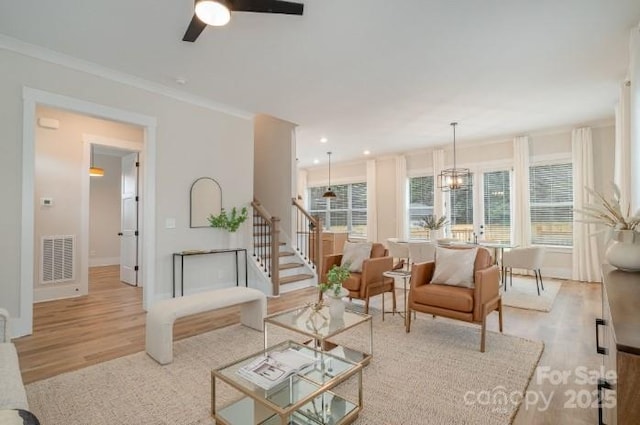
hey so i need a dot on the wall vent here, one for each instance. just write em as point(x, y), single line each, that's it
point(58, 253)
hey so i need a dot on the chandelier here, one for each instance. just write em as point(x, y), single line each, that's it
point(454, 178)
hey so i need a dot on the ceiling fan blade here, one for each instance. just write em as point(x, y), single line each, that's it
point(267, 6)
point(196, 26)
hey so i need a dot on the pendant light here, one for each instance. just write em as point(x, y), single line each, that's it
point(95, 171)
point(454, 178)
point(330, 194)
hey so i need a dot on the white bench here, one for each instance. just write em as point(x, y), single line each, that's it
point(162, 315)
point(12, 394)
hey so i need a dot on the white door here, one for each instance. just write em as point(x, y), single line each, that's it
point(129, 220)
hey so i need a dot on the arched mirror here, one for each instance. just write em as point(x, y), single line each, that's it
point(206, 199)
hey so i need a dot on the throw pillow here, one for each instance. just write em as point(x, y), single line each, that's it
point(355, 253)
point(454, 267)
point(17, 417)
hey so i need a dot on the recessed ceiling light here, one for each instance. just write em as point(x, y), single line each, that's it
point(181, 80)
point(367, 152)
point(316, 161)
point(323, 140)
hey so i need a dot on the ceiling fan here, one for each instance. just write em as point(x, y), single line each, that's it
point(217, 12)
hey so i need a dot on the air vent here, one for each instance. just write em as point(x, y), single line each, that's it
point(57, 259)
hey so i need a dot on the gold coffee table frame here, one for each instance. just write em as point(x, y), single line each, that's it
point(320, 327)
point(295, 400)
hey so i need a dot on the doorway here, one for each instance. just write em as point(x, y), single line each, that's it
point(114, 205)
point(32, 98)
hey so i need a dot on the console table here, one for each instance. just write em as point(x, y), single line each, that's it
point(189, 253)
point(619, 343)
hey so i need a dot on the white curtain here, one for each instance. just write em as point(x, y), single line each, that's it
point(586, 261)
point(521, 210)
point(401, 198)
point(372, 206)
point(438, 195)
point(622, 170)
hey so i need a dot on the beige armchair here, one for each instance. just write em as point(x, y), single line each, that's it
point(456, 302)
point(370, 282)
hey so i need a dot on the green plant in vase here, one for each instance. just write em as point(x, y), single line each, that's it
point(430, 222)
point(434, 224)
point(230, 222)
point(335, 278)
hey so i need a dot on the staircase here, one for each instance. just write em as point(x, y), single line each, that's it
point(289, 270)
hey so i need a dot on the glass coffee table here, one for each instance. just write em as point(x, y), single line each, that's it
point(302, 398)
point(320, 327)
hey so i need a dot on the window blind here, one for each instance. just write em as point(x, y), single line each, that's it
point(497, 206)
point(421, 192)
point(551, 198)
point(461, 213)
point(347, 212)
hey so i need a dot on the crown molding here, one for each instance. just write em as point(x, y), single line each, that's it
point(67, 61)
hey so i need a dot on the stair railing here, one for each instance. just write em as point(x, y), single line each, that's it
point(308, 238)
point(266, 243)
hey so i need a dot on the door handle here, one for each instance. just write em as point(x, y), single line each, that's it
point(600, 350)
point(602, 385)
point(119, 233)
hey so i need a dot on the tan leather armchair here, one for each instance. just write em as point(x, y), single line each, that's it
point(467, 304)
point(370, 282)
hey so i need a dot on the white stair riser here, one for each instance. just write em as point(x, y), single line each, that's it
point(293, 286)
point(291, 272)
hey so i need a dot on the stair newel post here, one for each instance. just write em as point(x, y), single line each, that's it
point(275, 255)
point(317, 249)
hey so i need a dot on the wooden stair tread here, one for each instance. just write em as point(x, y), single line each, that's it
point(287, 266)
point(295, 278)
point(280, 254)
point(268, 244)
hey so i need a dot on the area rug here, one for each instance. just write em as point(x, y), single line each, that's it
point(433, 375)
point(523, 294)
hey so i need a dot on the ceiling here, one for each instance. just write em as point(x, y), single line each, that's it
point(367, 74)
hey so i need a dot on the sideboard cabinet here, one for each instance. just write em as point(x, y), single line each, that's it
point(618, 340)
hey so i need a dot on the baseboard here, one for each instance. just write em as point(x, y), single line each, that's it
point(104, 261)
point(56, 293)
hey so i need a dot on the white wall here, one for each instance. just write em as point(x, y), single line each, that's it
point(191, 141)
point(544, 146)
point(104, 212)
point(275, 170)
point(634, 73)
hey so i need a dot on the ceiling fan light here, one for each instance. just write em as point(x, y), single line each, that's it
point(214, 13)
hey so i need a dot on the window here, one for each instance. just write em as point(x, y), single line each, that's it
point(420, 205)
point(551, 198)
point(347, 212)
point(497, 206)
point(461, 213)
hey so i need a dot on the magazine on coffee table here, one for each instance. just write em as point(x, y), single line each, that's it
point(274, 368)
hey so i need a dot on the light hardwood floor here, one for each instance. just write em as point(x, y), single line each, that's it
point(109, 323)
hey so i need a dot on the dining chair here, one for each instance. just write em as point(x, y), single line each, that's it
point(422, 252)
point(529, 258)
point(399, 250)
